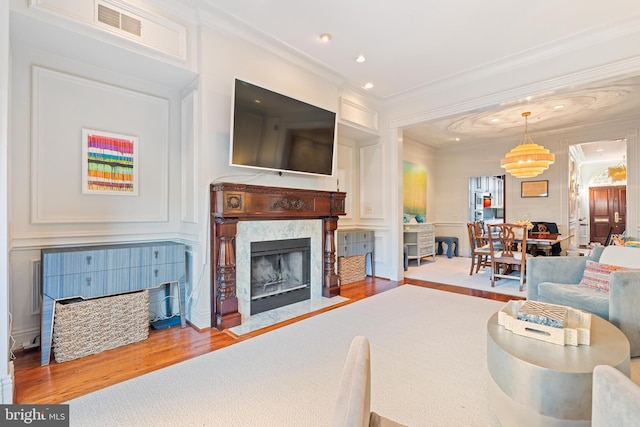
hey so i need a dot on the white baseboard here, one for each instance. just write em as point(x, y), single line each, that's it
point(199, 319)
point(25, 336)
point(6, 386)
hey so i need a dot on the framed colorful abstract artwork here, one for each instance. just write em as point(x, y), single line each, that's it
point(415, 192)
point(109, 163)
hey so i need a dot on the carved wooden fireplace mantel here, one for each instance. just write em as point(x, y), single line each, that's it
point(231, 203)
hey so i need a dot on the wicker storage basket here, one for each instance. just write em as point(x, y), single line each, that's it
point(87, 327)
point(352, 268)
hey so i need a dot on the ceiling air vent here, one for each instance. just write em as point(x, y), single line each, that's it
point(119, 20)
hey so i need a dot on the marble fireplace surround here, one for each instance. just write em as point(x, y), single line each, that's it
point(267, 213)
point(262, 231)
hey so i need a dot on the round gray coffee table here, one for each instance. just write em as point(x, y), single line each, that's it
point(536, 383)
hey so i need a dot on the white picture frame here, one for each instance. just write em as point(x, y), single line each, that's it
point(109, 163)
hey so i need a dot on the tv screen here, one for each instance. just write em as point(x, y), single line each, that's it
point(275, 132)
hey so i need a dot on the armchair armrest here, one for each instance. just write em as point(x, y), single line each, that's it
point(566, 270)
point(616, 399)
point(624, 300)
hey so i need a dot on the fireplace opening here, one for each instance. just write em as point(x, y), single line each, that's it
point(280, 273)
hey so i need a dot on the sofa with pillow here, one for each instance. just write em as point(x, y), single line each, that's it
point(606, 283)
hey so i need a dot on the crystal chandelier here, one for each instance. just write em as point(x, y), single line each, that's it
point(618, 172)
point(527, 159)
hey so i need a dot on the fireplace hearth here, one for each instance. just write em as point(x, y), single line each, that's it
point(232, 203)
point(280, 273)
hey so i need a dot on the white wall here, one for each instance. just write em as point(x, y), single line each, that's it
point(53, 99)
point(183, 126)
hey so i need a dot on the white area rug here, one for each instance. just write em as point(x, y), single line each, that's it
point(428, 354)
point(455, 271)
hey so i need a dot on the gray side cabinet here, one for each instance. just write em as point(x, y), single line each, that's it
point(420, 241)
point(356, 242)
point(96, 271)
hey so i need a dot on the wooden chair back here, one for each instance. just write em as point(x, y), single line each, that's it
point(479, 245)
point(477, 235)
point(508, 248)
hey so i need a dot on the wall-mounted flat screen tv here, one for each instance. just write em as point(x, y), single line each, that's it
point(275, 132)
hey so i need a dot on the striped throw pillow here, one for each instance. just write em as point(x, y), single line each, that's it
point(596, 275)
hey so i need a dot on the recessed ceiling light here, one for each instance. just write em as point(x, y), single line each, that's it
point(457, 139)
point(325, 37)
point(360, 58)
point(257, 101)
point(558, 107)
point(368, 85)
point(495, 120)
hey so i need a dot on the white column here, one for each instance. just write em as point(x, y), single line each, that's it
point(6, 366)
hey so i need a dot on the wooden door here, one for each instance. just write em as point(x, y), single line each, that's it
point(608, 208)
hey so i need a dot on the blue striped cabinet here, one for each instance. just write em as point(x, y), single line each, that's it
point(96, 271)
point(356, 242)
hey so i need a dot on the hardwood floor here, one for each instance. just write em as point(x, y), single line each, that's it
point(59, 382)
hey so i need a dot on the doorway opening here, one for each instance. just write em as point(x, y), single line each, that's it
point(598, 191)
point(486, 194)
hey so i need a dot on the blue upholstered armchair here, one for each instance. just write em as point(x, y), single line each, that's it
point(556, 280)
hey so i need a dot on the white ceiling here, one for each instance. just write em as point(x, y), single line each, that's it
point(412, 44)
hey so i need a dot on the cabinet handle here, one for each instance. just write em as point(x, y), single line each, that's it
point(156, 254)
point(88, 259)
point(88, 281)
point(155, 272)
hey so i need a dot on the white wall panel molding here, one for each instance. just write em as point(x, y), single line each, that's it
point(190, 154)
point(146, 28)
point(352, 112)
point(62, 105)
point(633, 184)
point(372, 184)
point(344, 176)
point(79, 238)
point(6, 365)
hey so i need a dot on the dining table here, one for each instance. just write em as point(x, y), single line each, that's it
point(546, 239)
point(534, 238)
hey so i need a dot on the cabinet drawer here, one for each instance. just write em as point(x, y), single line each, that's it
point(423, 238)
point(347, 250)
point(344, 237)
point(427, 249)
point(71, 262)
point(88, 285)
point(157, 254)
point(154, 275)
point(360, 236)
point(341, 250)
point(365, 237)
point(363, 248)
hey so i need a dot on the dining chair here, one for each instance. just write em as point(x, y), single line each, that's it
point(508, 251)
point(479, 245)
point(541, 229)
